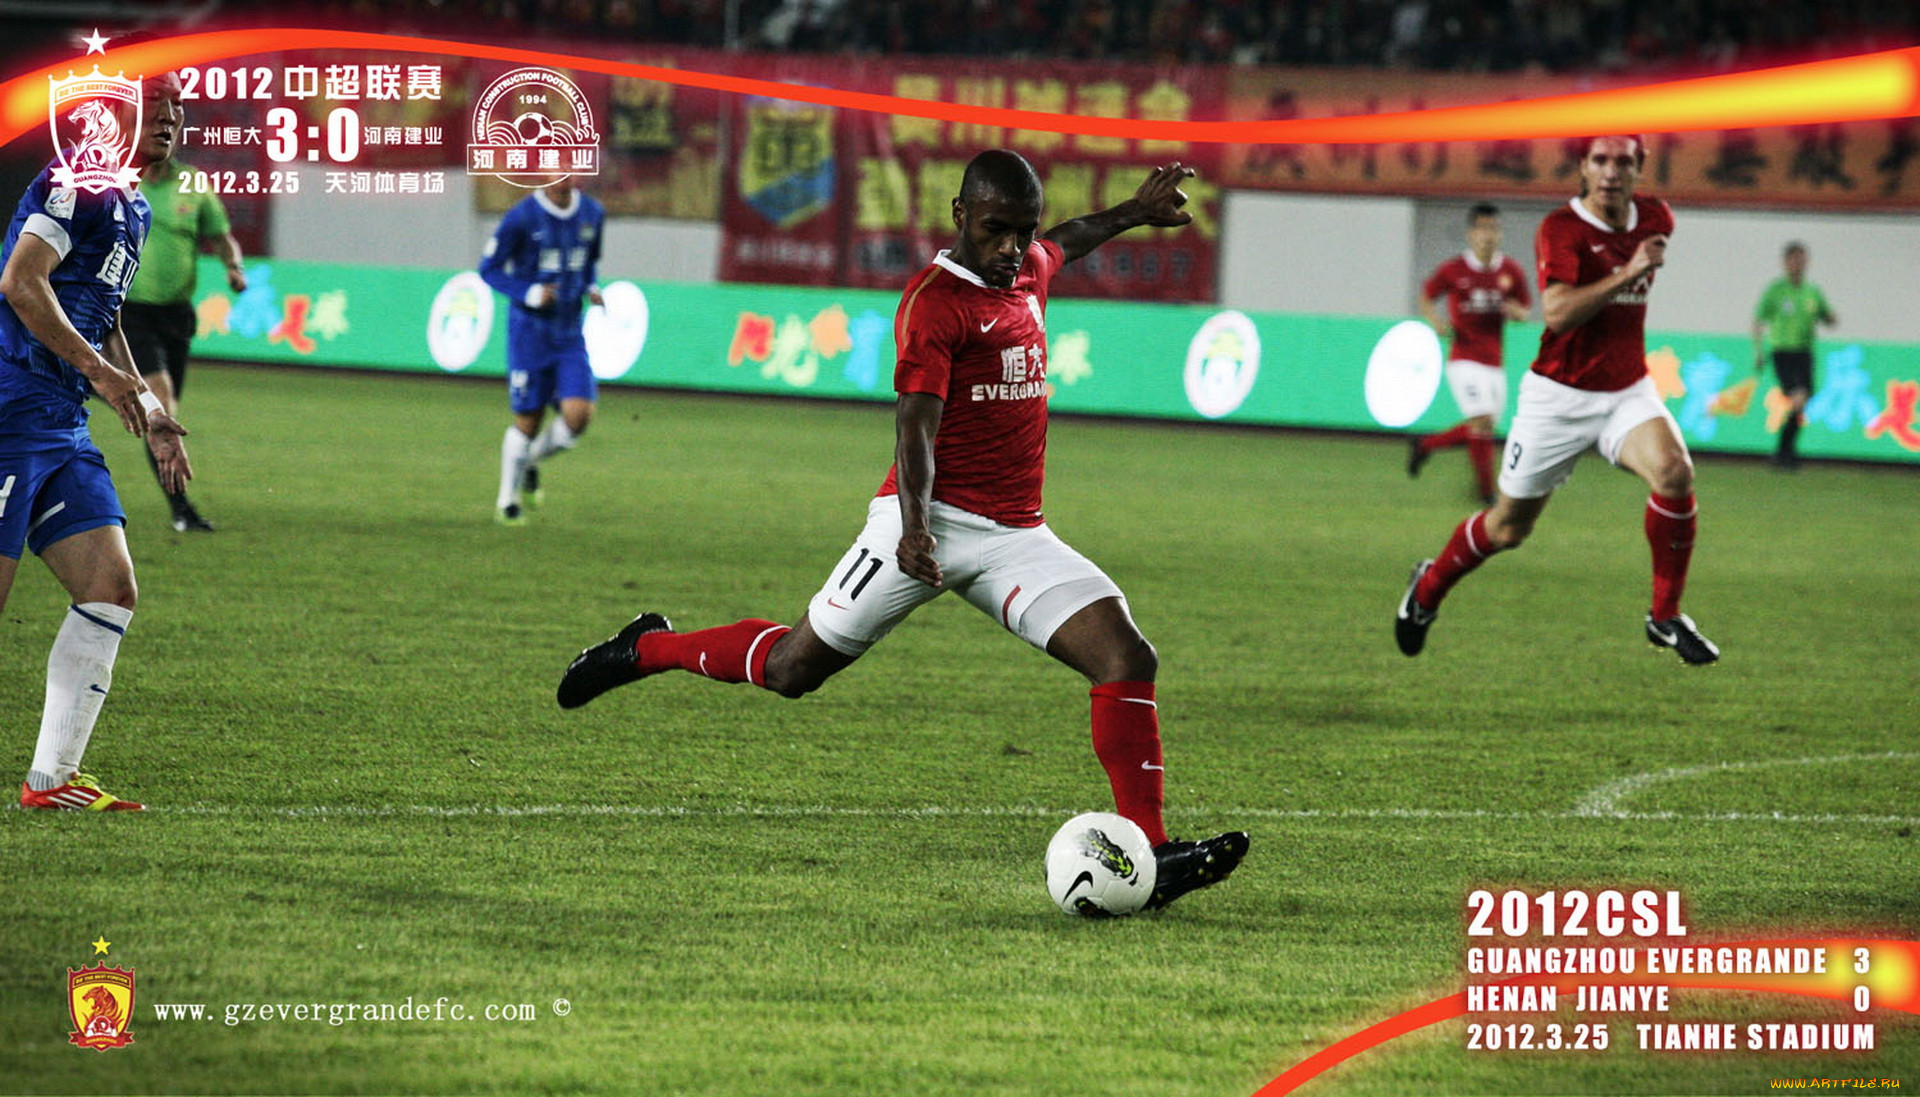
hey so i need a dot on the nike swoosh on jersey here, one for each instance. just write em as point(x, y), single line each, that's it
point(988, 326)
point(1150, 765)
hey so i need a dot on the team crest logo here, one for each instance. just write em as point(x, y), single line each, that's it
point(533, 127)
point(1223, 362)
point(100, 999)
point(84, 117)
point(787, 173)
point(460, 321)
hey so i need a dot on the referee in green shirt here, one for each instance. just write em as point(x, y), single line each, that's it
point(1786, 316)
point(158, 315)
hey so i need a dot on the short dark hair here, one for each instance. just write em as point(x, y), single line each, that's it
point(1794, 246)
point(1639, 145)
point(1002, 172)
point(1481, 209)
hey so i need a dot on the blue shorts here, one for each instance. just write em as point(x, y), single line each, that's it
point(547, 364)
point(52, 486)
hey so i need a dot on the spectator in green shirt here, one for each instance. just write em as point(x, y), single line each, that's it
point(158, 315)
point(1786, 316)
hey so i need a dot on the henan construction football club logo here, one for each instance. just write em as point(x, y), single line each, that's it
point(100, 999)
point(84, 114)
point(532, 127)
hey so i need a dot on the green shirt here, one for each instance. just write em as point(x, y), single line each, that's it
point(1790, 312)
point(181, 221)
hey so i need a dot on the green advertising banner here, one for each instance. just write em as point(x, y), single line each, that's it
point(1189, 362)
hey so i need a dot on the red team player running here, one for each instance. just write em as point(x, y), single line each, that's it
point(1484, 289)
point(960, 509)
point(1588, 387)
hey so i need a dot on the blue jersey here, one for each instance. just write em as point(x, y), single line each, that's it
point(539, 244)
point(98, 237)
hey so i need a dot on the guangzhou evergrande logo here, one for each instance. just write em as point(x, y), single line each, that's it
point(533, 127)
point(93, 151)
point(100, 1000)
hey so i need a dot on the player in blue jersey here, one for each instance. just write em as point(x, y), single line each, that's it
point(68, 258)
point(544, 257)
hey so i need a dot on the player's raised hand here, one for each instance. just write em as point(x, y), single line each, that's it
point(1160, 197)
point(164, 434)
point(916, 558)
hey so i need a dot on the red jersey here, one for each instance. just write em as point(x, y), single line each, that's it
point(982, 350)
point(1609, 351)
point(1476, 296)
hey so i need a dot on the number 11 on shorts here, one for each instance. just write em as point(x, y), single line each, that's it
point(865, 557)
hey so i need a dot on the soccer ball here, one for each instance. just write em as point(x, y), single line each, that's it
point(1100, 865)
point(534, 128)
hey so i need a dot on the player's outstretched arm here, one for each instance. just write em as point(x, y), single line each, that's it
point(916, 421)
point(1430, 312)
point(1156, 203)
point(164, 432)
point(28, 287)
point(227, 247)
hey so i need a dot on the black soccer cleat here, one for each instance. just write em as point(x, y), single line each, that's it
point(608, 663)
point(186, 519)
point(1417, 456)
point(1189, 866)
point(1683, 636)
point(1411, 620)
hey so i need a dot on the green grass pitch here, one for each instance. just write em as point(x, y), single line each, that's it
point(341, 706)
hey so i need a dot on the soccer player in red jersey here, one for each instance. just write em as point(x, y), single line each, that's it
point(960, 509)
point(1484, 289)
point(1588, 388)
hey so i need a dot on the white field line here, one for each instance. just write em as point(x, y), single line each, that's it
point(1605, 800)
point(816, 811)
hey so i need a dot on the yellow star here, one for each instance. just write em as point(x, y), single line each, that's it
point(100, 946)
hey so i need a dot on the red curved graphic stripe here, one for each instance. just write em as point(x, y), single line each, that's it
point(1894, 979)
point(1846, 89)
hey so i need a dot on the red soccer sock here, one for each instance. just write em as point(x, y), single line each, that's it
point(731, 653)
point(1126, 739)
point(1467, 549)
point(1480, 452)
point(1671, 521)
point(1458, 435)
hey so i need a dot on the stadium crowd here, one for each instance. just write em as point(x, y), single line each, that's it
point(1443, 35)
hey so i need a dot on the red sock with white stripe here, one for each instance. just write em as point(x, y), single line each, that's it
point(1671, 521)
point(730, 653)
point(1467, 549)
point(1457, 435)
point(1126, 739)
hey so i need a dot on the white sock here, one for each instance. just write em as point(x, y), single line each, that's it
point(554, 438)
point(79, 673)
point(513, 462)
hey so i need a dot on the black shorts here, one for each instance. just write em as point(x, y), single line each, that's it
point(158, 336)
point(1794, 369)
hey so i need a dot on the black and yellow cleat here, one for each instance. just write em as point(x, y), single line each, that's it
point(1683, 636)
point(607, 664)
point(1189, 866)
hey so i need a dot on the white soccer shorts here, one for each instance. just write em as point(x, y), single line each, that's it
point(1554, 424)
point(1478, 388)
point(1027, 579)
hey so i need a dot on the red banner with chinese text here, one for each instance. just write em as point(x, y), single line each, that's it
point(1860, 165)
point(871, 204)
